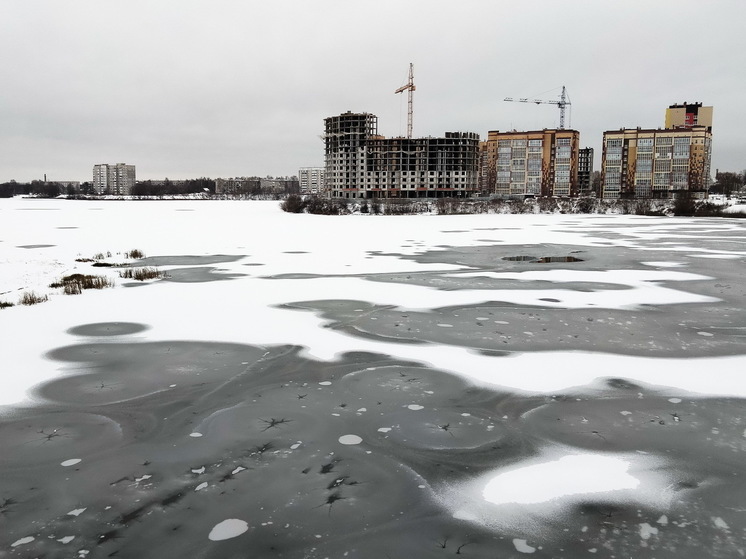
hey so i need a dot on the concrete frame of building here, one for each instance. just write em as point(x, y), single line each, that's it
point(585, 171)
point(359, 163)
point(530, 163)
point(656, 163)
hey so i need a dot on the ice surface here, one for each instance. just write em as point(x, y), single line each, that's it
point(271, 261)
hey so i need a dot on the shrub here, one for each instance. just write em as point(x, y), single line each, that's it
point(31, 298)
point(141, 274)
point(5, 304)
point(684, 204)
point(444, 206)
point(134, 254)
point(643, 207)
point(293, 204)
point(708, 209)
point(585, 205)
point(324, 206)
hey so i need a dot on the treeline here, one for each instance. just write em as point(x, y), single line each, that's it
point(727, 183)
point(682, 206)
point(173, 188)
point(42, 189)
point(51, 189)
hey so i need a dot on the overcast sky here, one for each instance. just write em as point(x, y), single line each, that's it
point(222, 88)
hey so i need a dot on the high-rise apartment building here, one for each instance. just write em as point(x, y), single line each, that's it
point(687, 115)
point(115, 179)
point(311, 180)
point(362, 164)
point(536, 163)
point(660, 163)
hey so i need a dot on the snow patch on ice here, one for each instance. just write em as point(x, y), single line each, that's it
point(350, 439)
point(720, 523)
point(570, 475)
point(227, 529)
point(646, 530)
point(522, 547)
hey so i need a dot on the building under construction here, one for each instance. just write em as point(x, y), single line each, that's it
point(359, 163)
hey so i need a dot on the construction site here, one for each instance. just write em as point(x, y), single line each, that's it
point(360, 163)
point(513, 164)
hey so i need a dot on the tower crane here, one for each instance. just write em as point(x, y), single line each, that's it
point(564, 101)
point(409, 88)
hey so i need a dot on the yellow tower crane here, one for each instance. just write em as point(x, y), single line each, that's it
point(409, 88)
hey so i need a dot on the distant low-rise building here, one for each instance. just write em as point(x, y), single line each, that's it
point(114, 179)
point(237, 186)
point(256, 186)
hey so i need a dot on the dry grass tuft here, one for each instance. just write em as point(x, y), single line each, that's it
point(76, 283)
point(141, 274)
point(31, 298)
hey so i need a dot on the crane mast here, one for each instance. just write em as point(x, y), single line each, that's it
point(564, 102)
point(409, 88)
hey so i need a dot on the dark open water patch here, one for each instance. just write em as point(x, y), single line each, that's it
point(107, 329)
point(189, 260)
point(542, 259)
point(142, 448)
point(199, 274)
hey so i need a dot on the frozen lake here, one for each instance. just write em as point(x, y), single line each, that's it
point(371, 386)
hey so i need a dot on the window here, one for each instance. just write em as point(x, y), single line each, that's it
point(517, 176)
